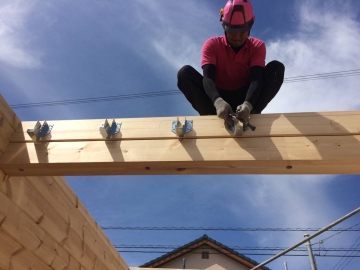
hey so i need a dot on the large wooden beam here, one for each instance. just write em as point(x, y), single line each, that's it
point(293, 143)
point(296, 143)
point(281, 155)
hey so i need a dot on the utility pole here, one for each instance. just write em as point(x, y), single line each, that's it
point(311, 237)
point(311, 255)
point(285, 264)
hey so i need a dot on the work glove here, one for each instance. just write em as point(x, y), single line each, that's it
point(223, 110)
point(243, 110)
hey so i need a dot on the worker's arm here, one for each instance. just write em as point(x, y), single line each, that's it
point(257, 78)
point(223, 109)
point(209, 73)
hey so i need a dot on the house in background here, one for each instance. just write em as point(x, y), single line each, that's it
point(203, 253)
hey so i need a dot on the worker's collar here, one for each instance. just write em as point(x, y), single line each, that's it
point(238, 48)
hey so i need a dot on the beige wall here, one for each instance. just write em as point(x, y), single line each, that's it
point(194, 261)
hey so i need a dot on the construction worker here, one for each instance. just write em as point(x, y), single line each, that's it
point(235, 78)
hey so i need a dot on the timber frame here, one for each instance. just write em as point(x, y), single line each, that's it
point(292, 143)
point(43, 224)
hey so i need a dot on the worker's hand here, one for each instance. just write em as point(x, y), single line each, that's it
point(223, 109)
point(244, 110)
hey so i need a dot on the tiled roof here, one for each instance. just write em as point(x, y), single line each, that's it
point(193, 245)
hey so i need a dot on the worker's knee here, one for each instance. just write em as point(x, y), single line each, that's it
point(277, 67)
point(184, 71)
point(274, 73)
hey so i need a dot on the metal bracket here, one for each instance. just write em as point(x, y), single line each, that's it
point(237, 128)
point(107, 131)
point(245, 122)
point(247, 126)
point(40, 131)
point(179, 129)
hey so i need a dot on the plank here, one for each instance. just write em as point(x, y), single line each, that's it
point(66, 189)
point(3, 178)
point(41, 210)
point(75, 246)
point(51, 192)
point(6, 129)
point(9, 123)
point(71, 196)
point(7, 114)
point(290, 124)
point(7, 248)
point(312, 154)
point(23, 195)
point(4, 141)
point(196, 168)
point(26, 232)
point(14, 256)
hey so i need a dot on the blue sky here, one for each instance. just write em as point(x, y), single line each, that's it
point(61, 50)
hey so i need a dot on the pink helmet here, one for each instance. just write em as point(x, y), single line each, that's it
point(237, 16)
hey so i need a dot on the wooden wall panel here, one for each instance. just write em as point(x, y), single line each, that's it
point(9, 123)
point(91, 228)
point(26, 232)
point(7, 114)
point(41, 219)
point(14, 256)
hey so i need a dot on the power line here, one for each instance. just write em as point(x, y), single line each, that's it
point(247, 254)
point(346, 256)
point(349, 229)
point(128, 228)
point(330, 75)
point(123, 246)
point(93, 100)
point(321, 76)
point(349, 260)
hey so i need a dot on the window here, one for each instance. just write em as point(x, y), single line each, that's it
point(205, 255)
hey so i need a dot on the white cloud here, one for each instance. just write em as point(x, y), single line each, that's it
point(13, 37)
point(327, 41)
point(287, 202)
point(177, 31)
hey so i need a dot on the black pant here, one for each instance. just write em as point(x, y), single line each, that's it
point(190, 82)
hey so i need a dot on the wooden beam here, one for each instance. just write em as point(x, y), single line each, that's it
point(263, 155)
point(293, 143)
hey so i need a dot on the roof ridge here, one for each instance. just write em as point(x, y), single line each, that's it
point(203, 237)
